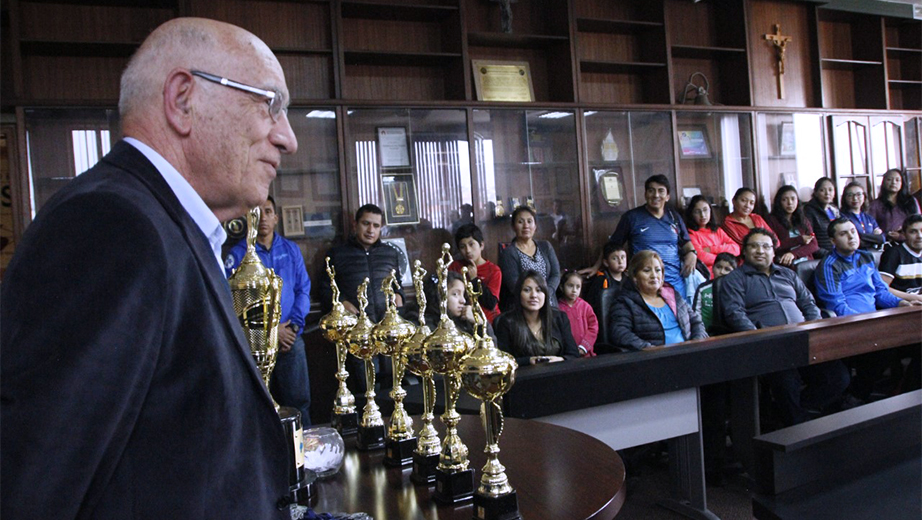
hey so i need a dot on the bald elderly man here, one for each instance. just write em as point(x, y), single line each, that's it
point(128, 389)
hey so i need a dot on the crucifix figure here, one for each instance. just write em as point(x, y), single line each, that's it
point(780, 42)
point(506, 6)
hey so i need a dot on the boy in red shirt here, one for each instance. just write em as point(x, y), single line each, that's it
point(469, 240)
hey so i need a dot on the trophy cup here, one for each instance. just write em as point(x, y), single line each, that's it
point(370, 433)
point(445, 348)
point(488, 373)
point(257, 293)
point(389, 336)
point(335, 325)
point(428, 448)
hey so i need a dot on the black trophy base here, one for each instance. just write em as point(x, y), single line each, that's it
point(424, 468)
point(454, 487)
point(505, 507)
point(346, 423)
point(369, 438)
point(302, 493)
point(399, 453)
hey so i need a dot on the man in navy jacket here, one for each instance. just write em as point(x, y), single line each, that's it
point(128, 389)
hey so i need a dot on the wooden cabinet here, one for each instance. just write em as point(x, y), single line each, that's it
point(851, 60)
point(903, 46)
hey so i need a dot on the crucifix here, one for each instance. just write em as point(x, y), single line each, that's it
point(506, 6)
point(780, 42)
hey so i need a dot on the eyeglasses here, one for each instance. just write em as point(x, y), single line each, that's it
point(763, 247)
point(273, 97)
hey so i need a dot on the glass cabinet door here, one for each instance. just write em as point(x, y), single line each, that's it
point(529, 157)
point(852, 151)
point(623, 149)
point(886, 148)
point(715, 157)
point(415, 165)
point(791, 152)
point(913, 125)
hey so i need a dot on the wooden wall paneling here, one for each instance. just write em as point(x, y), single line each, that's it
point(89, 23)
point(72, 79)
point(851, 56)
point(800, 83)
point(903, 48)
point(537, 17)
point(10, 62)
point(309, 77)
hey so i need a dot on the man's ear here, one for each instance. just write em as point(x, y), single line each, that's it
point(177, 100)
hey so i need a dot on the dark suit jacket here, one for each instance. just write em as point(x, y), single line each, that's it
point(128, 390)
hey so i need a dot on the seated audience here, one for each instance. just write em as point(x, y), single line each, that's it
point(820, 211)
point(649, 312)
point(742, 219)
point(704, 296)
point(854, 206)
point(469, 240)
point(709, 240)
point(524, 254)
point(583, 322)
point(797, 243)
point(893, 204)
point(603, 286)
point(901, 266)
point(533, 331)
point(760, 294)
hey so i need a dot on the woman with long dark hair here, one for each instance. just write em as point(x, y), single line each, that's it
point(533, 331)
point(854, 207)
point(893, 204)
point(820, 211)
point(707, 237)
point(795, 234)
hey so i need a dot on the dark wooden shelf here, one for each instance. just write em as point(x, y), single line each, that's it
point(400, 12)
point(701, 52)
point(839, 64)
point(428, 59)
point(69, 48)
point(525, 41)
point(599, 25)
point(615, 67)
point(903, 83)
point(141, 4)
point(300, 51)
point(903, 50)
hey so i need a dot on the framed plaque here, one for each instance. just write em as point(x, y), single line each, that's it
point(503, 81)
point(400, 244)
point(392, 146)
point(400, 203)
point(693, 142)
point(786, 144)
point(293, 221)
point(610, 188)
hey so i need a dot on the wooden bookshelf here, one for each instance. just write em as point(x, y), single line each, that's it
point(903, 47)
point(851, 60)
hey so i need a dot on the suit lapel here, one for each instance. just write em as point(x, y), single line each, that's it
point(128, 158)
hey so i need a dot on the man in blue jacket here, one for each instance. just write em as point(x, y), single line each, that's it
point(290, 385)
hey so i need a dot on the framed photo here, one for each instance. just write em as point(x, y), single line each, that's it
point(406, 277)
point(693, 142)
point(392, 147)
point(786, 143)
point(293, 221)
point(610, 188)
point(400, 202)
point(503, 81)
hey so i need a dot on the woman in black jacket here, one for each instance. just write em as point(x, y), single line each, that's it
point(533, 331)
point(820, 211)
point(647, 312)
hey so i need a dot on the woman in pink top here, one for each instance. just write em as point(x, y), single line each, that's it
point(583, 323)
point(709, 240)
point(738, 223)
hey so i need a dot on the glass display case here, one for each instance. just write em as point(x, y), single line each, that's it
point(623, 149)
point(415, 165)
point(791, 152)
point(913, 127)
point(529, 157)
point(715, 157)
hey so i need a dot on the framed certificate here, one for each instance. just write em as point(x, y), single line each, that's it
point(400, 203)
point(503, 81)
point(693, 142)
point(786, 141)
point(293, 221)
point(392, 146)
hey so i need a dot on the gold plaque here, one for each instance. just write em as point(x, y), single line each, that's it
point(503, 81)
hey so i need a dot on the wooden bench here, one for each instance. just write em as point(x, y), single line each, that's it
point(860, 463)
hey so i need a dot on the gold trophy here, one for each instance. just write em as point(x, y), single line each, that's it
point(488, 373)
point(390, 335)
point(335, 325)
point(428, 447)
point(445, 349)
point(257, 293)
point(370, 433)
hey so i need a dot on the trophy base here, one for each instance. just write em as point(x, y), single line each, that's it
point(454, 487)
point(304, 490)
point(424, 468)
point(399, 453)
point(504, 507)
point(369, 438)
point(345, 424)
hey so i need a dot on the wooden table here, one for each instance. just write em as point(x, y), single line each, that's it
point(557, 472)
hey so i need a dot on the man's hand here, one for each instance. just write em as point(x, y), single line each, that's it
point(907, 303)
point(807, 238)
point(471, 272)
point(786, 259)
point(350, 308)
point(287, 337)
point(688, 264)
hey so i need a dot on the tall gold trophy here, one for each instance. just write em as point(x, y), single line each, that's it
point(428, 447)
point(257, 293)
point(370, 433)
point(445, 349)
point(487, 374)
point(390, 336)
point(335, 325)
